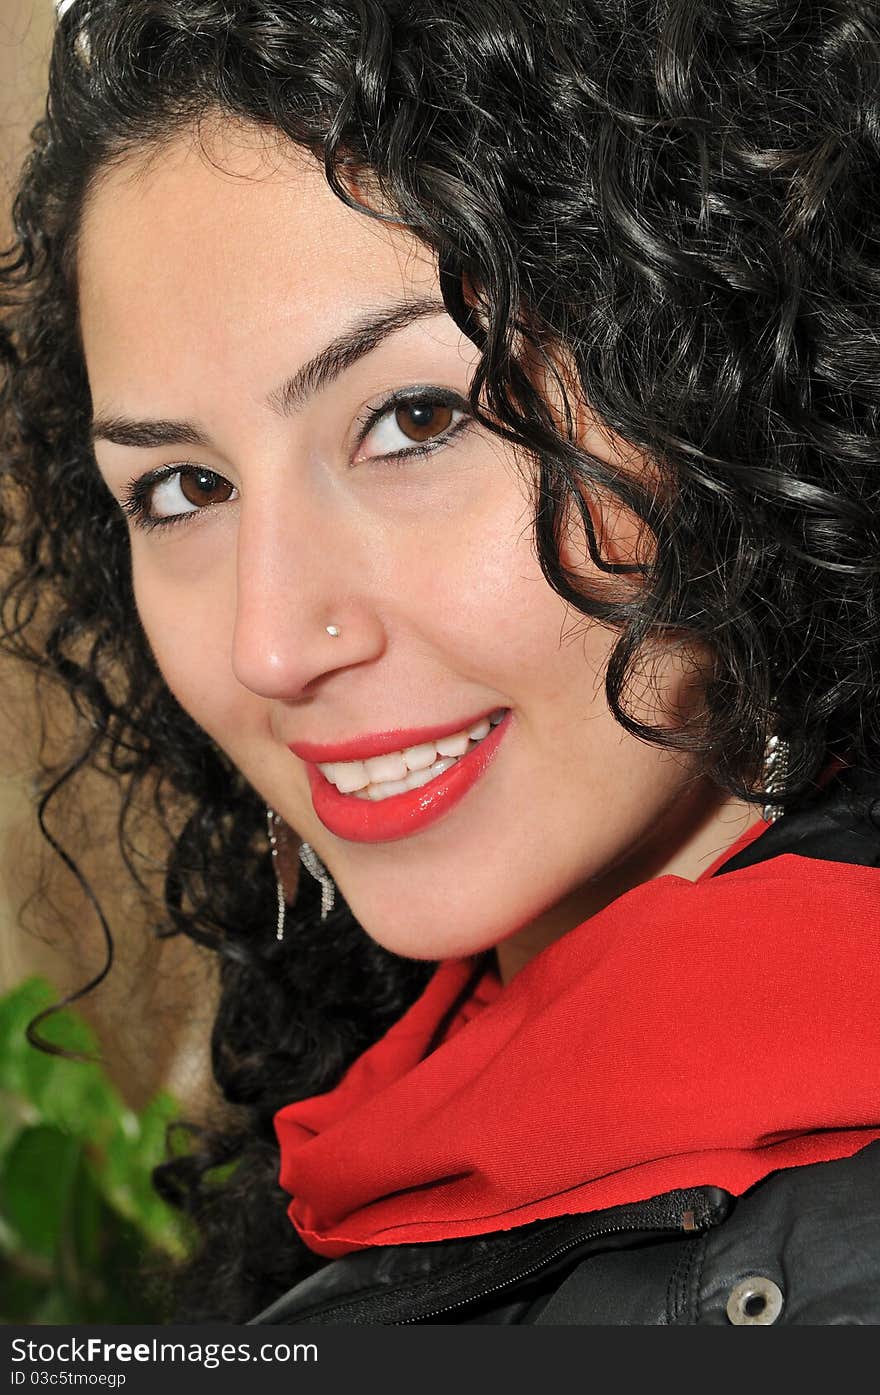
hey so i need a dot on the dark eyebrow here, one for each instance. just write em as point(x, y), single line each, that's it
point(122, 431)
point(354, 343)
point(359, 339)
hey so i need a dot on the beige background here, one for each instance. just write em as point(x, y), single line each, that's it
point(25, 35)
point(153, 1014)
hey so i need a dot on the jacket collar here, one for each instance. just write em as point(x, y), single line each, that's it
point(840, 824)
point(451, 1106)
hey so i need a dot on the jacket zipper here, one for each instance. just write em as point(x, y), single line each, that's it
point(691, 1219)
point(696, 1211)
point(548, 1259)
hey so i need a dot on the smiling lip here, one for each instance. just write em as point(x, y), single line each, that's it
point(362, 747)
point(400, 815)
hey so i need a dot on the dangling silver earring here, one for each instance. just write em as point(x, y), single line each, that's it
point(775, 772)
point(271, 822)
point(313, 864)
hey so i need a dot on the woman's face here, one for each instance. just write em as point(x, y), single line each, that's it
point(277, 389)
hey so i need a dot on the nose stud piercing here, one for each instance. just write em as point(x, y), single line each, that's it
point(334, 631)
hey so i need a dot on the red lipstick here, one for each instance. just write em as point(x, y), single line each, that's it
point(400, 815)
point(362, 747)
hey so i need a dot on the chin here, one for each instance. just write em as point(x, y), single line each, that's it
point(413, 938)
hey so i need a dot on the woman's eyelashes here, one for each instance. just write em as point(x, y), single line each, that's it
point(407, 424)
point(411, 423)
point(172, 493)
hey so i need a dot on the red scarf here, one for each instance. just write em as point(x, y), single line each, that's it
point(690, 1033)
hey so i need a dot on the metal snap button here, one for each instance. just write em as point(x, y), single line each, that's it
point(754, 1301)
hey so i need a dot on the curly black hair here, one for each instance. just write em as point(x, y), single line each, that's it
point(681, 196)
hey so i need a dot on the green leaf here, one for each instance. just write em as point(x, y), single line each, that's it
point(17, 1067)
point(59, 1307)
point(18, 1007)
point(35, 1186)
point(21, 1291)
point(16, 1113)
point(132, 1152)
point(80, 1220)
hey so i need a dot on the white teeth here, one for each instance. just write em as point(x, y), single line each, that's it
point(412, 782)
point(349, 776)
point(455, 745)
point(421, 777)
point(420, 757)
point(383, 768)
point(379, 777)
point(387, 787)
point(441, 766)
point(479, 729)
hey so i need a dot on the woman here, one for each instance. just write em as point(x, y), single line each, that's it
point(448, 437)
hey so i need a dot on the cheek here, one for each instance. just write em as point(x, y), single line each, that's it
point(189, 627)
point(475, 582)
point(666, 683)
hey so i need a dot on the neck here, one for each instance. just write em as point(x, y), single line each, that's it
point(689, 839)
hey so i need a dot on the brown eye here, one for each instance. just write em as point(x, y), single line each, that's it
point(413, 426)
point(201, 487)
point(421, 422)
point(186, 490)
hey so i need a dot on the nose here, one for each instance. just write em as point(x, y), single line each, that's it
point(302, 604)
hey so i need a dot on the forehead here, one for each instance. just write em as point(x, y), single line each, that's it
point(231, 232)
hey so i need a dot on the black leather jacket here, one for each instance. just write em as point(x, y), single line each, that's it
point(802, 1246)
